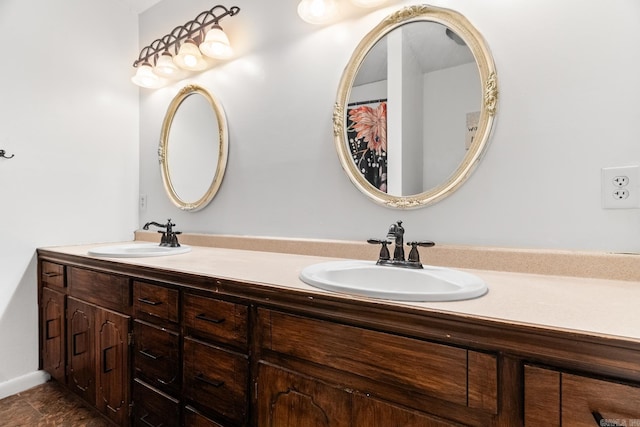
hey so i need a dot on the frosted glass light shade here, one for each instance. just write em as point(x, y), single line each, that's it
point(145, 77)
point(189, 57)
point(318, 11)
point(368, 3)
point(216, 44)
point(165, 66)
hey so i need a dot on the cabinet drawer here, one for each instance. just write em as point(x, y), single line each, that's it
point(453, 374)
point(193, 418)
point(52, 274)
point(157, 356)
point(583, 398)
point(106, 290)
point(553, 398)
point(152, 302)
point(153, 408)
point(216, 320)
point(216, 379)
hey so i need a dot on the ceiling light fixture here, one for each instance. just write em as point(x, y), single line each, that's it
point(318, 11)
point(368, 3)
point(181, 50)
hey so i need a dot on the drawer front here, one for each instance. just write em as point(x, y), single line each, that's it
point(216, 379)
point(194, 419)
point(52, 274)
point(217, 320)
point(454, 374)
point(106, 290)
point(157, 356)
point(152, 302)
point(153, 408)
point(616, 404)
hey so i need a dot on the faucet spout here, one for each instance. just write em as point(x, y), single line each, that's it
point(396, 234)
point(169, 237)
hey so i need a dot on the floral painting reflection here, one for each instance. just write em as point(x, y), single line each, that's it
point(367, 136)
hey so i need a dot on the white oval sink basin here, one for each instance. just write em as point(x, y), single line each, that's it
point(137, 250)
point(394, 283)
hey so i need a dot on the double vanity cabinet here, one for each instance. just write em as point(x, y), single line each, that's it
point(158, 346)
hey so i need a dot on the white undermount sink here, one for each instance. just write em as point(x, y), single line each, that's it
point(137, 250)
point(366, 278)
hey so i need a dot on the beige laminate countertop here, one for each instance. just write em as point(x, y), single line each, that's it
point(599, 307)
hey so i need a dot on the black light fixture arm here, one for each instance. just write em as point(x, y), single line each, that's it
point(193, 29)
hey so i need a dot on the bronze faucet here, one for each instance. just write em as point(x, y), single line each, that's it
point(169, 237)
point(396, 234)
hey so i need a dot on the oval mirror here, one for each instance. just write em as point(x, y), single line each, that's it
point(193, 148)
point(415, 107)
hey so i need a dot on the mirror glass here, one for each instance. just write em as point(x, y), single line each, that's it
point(415, 107)
point(193, 148)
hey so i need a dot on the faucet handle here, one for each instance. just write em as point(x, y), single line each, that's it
point(384, 251)
point(414, 255)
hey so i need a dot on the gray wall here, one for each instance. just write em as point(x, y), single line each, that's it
point(69, 114)
point(569, 105)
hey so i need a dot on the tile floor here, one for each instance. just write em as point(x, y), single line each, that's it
point(48, 405)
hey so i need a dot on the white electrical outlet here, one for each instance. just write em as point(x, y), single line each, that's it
point(621, 187)
point(142, 203)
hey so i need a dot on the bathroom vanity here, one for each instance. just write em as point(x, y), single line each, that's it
point(228, 337)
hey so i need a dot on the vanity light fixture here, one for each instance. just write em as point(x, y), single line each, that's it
point(180, 51)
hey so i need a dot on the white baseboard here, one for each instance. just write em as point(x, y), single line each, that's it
point(25, 382)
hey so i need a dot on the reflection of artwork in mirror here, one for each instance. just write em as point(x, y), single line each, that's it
point(433, 69)
point(367, 135)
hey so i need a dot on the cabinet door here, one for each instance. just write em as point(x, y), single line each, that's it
point(81, 349)
point(368, 412)
point(286, 399)
point(53, 330)
point(112, 365)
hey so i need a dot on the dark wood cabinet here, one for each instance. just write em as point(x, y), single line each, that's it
point(151, 347)
point(287, 399)
point(53, 330)
point(156, 355)
point(81, 341)
point(112, 365)
point(557, 398)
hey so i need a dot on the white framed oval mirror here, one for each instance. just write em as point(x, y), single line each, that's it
point(415, 107)
point(193, 148)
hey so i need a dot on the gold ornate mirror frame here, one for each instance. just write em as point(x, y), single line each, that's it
point(222, 144)
point(486, 68)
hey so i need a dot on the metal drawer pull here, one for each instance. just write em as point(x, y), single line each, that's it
point(200, 377)
point(604, 421)
point(146, 353)
point(204, 317)
point(51, 274)
point(144, 421)
point(149, 302)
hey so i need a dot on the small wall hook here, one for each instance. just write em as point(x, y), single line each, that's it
point(4, 154)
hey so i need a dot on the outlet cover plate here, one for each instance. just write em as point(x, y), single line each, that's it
point(621, 187)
